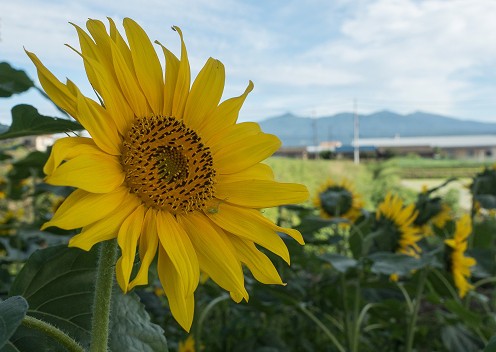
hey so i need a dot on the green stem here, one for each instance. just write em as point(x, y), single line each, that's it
point(414, 313)
point(53, 332)
point(347, 322)
point(355, 333)
point(103, 296)
point(203, 315)
point(323, 327)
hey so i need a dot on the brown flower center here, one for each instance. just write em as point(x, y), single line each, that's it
point(167, 166)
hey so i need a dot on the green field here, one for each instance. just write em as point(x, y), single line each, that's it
point(372, 178)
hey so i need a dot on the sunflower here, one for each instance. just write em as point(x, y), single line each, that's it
point(459, 264)
point(338, 199)
point(396, 220)
point(187, 345)
point(167, 169)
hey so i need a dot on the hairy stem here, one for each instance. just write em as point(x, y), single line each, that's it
point(103, 296)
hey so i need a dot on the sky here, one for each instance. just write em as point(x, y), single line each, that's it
point(311, 58)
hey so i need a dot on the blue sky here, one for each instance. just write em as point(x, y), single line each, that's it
point(311, 58)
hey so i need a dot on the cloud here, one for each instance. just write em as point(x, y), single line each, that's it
point(307, 56)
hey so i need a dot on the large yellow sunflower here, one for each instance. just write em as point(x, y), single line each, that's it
point(338, 199)
point(167, 169)
point(403, 236)
point(459, 264)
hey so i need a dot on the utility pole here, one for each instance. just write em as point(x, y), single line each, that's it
point(356, 133)
point(315, 134)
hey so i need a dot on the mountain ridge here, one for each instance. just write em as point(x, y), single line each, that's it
point(302, 131)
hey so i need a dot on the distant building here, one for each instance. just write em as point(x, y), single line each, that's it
point(478, 147)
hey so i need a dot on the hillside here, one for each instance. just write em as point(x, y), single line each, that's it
point(298, 131)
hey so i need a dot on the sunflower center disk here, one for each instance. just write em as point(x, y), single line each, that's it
point(167, 166)
point(336, 201)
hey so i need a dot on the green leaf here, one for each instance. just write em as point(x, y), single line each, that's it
point(13, 81)
point(394, 263)
point(12, 311)
point(26, 121)
point(456, 338)
point(468, 317)
point(491, 345)
point(58, 285)
point(340, 262)
point(31, 165)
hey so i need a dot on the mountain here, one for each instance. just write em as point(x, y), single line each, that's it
point(300, 131)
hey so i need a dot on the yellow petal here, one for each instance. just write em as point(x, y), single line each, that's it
point(121, 43)
point(256, 172)
point(88, 49)
point(181, 89)
point(148, 244)
point(226, 114)
point(232, 134)
point(106, 228)
point(68, 148)
point(128, 84)
point(205, 94)
point(241, 222)
point(259, 264)
point(82, 208)
point(246, 152)
point(127, 239)
point(95, 173)
point(99, 125)
point(215, 253)
point(182, 305)
point(146, 64)
point(171, 73)
point(181, 252)
point(56, 90)
point(261, 193)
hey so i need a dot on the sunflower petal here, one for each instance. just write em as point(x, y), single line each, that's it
point(226, 114)
point(246, 152)
point(232, 134)
point(128, 83)
point(182, 305)
point(215, 253)
point(256, 172)
point(56, 90)
point(171, 72)
point(148, 244)
point(181, 89)
point(127, 239)
point(107, 228)
point(205, 94)
point(146, 64)
point(95, 173)
point(82, 208)
point(99, 125)
point(261, 193)
point(180, 250)
point(242, 222)
point(259, 264)
point(68, 148)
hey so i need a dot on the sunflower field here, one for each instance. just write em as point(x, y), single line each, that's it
point(106, 246)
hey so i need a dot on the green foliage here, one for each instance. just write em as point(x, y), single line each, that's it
point(13, 81)
point(12, 311)
point(347, 289)
point(57, 283)
point(26, 121)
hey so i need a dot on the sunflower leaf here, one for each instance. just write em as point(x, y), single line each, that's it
point(13, 81)
point(27, 121)
point(12, 311)
point(58, 285)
